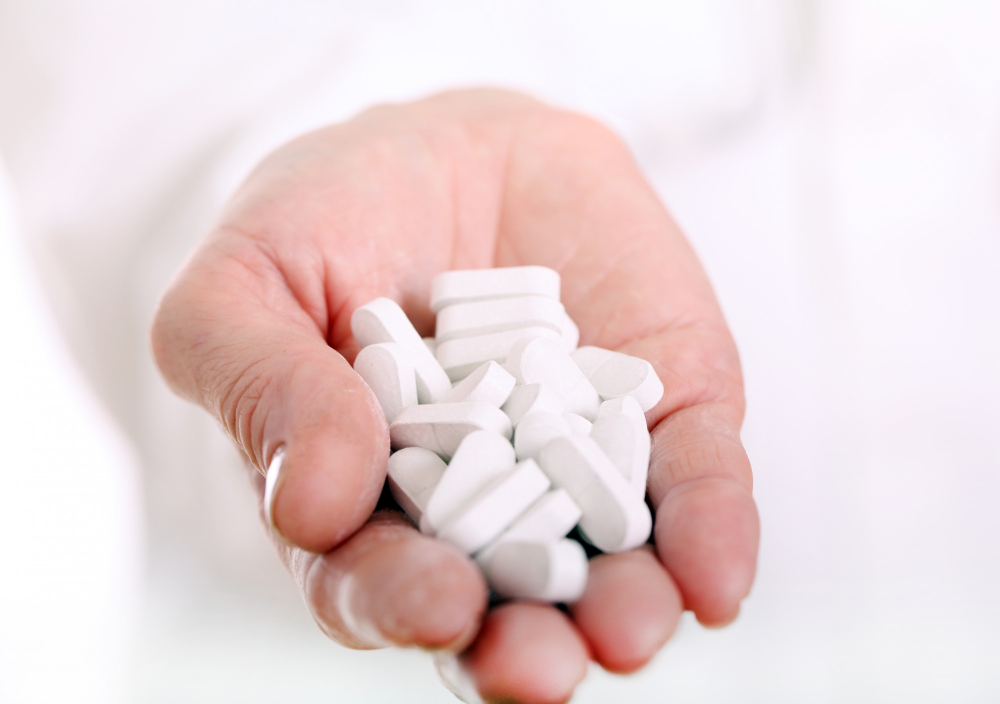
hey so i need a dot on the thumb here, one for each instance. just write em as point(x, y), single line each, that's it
point(230, 336)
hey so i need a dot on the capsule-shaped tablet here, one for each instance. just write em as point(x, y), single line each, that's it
point(461, 357)
point(590, 358)
point(578, 424)
point(552, 572)
point(413, 475)
point(440, 427)
point(538, 360)
point(614, 517)
point(382, 320)
point(388, 371)
point(569, 334)
point(490, 383)
point(622, 375)
point(469, 285)
point(531, 398)
point(627, 405)
point(549, 519)
point(481, 457)
point(535, 431)
point(625, 440)
point(495, 507)
point(497, 315)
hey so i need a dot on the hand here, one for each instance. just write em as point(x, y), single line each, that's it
point(256, 329)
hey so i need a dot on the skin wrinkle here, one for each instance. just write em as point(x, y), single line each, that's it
point(269, 277)
point(595, 284)
point(684, 392)
point(275, 279)
point(239, 408)
point(245, 413)
point(668, 454)
point(219, 363)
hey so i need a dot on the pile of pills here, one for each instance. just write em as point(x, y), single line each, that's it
point(505, 434)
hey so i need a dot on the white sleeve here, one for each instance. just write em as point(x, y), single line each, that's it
point(70, 527)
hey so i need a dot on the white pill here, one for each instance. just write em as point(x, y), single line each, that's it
point(542, 361)
point(495, 507)
point(548, 519)
point(578, 424)
point(625, 440)
point(413, 474)
point(590, 358)
point(626, 405)
point(453, 287)
point(531, 398)
point(553, 571)
point(382, 320)
point(442, 426)
point(536, 430)
point(490, 383)
point(485, 317)
point(569, 336)
point(431, 344)
point(481, 457)
point(614, 517)
point(388, 371)
point(622, 375)
point(461, 357)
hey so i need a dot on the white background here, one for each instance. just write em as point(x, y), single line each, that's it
point(837, 166)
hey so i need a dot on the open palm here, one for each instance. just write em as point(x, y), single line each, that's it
point(256, 329)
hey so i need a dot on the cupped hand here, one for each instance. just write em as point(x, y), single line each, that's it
point(256, 328)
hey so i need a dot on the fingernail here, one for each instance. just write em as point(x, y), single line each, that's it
point(271, 485)
point(358, 624)
point(460, 643)
point(456, 678)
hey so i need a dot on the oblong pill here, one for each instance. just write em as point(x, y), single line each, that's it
point(590, 358)
point(540, 360)
point(442, 426)
point(550, 518)
point(578, 424)
point(569, 333)
point(461, 357)
point(625, 440)
point(388, 371)
point(497, 315)
point(531, 398)
point(468, 285)
point(481, 457)
point(382, 320)
point(495, 507)
point(553, 571)
point(490, 383)
point(627, 405)
point(622, 375)
point(413, 475)
point(614, 517)
point(537, 430)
